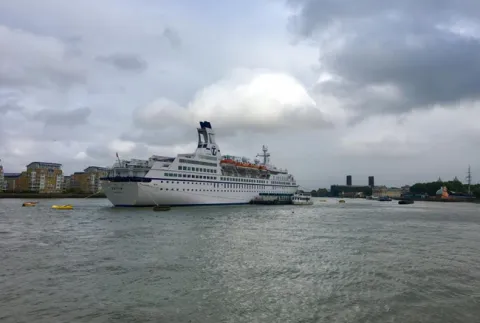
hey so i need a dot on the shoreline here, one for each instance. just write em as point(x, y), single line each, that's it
point(50, 195)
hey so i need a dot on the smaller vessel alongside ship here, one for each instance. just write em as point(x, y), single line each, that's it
point(302, 199)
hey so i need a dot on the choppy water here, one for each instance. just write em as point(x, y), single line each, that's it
point(364, 261)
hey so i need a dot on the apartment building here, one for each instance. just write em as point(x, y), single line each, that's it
point(13, 182)
point(44, 177)
point(88, 181)
point(94, 175)
point(2, 179)
point(67, 183)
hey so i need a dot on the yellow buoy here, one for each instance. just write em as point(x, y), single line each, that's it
point(63, 207)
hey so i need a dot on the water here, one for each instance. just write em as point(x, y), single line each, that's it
point(363, 261)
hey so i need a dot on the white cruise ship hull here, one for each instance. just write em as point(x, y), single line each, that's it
point(204, 177)
point(130, 194)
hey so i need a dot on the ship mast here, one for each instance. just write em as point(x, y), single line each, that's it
point(469, 179)
point(265, 155)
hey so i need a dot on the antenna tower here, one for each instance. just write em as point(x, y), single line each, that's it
point(265, 154)
point(469, 179)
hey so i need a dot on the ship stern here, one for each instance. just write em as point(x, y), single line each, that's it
point(122, 193)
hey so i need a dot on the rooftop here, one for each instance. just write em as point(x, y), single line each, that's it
point(96, 167)
point(45, 164)
point(12, 174)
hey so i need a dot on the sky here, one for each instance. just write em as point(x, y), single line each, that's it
point(333, 88)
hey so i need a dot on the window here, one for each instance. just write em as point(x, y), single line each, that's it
point(196, 162)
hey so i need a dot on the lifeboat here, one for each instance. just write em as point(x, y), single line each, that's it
point(227, 161)
point(63, 207)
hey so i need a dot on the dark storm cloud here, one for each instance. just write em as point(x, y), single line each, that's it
point(398, 44)
point(126, 62)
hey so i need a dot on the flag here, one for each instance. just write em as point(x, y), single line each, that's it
point(116, 154)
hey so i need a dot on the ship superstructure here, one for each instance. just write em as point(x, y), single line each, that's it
point(204, 177)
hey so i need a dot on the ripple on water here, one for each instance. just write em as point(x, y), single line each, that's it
point(360, 262)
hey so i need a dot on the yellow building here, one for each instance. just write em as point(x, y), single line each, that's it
point(392, 192)
point(88, 181)
point(43, 177)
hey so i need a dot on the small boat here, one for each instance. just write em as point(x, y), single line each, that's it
point(384, 199)
point(29, 203)
point(341, 201)
point(63, 207)
point(405, 202)
point(161, 208)
point(302, 199)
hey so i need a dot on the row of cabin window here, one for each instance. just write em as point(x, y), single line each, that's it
point(244, 180)
point(196, 162)
point(197, 169)
point(206, 190)
point(212, 178)
point(190, 176)
point(283, 183)
point(226, 185)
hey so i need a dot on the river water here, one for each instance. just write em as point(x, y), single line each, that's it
point(362, 261)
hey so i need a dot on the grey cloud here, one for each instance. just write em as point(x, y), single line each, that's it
point(73, 46)
point(9, 102)
point(104, 153)
point(48, 67)
point(313, 14)
point(73, 117)
point(99, 152)
point(127, 62)
point(42, 77)
point(398, 44)
point(172, 37)
point(165, 137)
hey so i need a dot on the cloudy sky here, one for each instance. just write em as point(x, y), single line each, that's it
point(372, 87)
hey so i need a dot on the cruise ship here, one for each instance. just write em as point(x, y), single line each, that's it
point(205, 177)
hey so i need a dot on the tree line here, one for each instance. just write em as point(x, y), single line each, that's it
point(455, 185)
point(429, 188)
